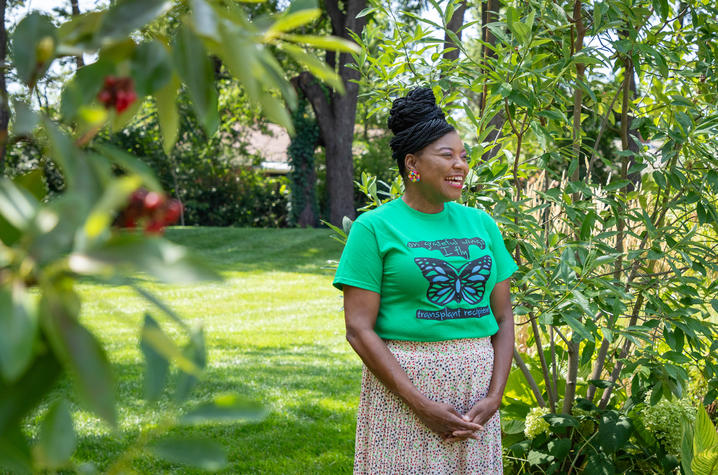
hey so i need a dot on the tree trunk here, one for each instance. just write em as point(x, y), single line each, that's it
point(76, 12)
point(336, 113)
point(4, 110)
point(456, 22)
point(489, 14)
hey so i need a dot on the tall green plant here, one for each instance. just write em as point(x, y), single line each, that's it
point(616, 286)
point(48, 243)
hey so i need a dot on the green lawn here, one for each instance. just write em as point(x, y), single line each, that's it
point(274, 332)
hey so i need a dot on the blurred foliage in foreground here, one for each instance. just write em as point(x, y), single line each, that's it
point(46, 244)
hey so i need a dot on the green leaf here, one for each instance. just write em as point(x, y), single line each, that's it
point(559, 448)
point(276, 111)
point(315, 66)
point(26, 119)
point(156, 365)
point(153, 337)
point(130, 164)
point(578, 327)
point(505, 89)
point(333, 43)
point(687, 448)
point(195, 68)
point(560, 421)
point(18, 327)
point(199, 453)
point(196, 351)
point(294, 20)
point(366, 12)
point(31, 38)
point(613, 432)
point(57, 436)
point(167, 113)
point(84, 87)
point(151, 68)
point(34, 182)
point(156, 256)
point(126, 16)
point(227, 408)
point(587, 225)
point(535, 457)
point(76, 170)
point(512, 426)
point(20, 397)
point(582, 302)
point(116, 194)
point(15, 454)
point(705, 436)
point(706, 462)
point(599, 464)
point(553, 114)
point(81, 353)
point(661, 7)
point(17, 205)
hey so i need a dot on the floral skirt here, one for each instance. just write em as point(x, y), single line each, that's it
point(391, 439)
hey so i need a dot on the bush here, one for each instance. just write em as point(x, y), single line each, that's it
point(236, 196)
point(214, 177)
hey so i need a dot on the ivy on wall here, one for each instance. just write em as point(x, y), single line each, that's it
point(302, 178)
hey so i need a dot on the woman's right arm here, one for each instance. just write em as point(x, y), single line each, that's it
point(361, 308)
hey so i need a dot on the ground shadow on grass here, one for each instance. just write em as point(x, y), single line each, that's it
point(255, 249)
point(310, 393)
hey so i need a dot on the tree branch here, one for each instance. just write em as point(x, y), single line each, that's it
point(312, 90)
point(529, 378)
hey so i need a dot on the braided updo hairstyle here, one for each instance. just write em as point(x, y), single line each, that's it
point(416, 121)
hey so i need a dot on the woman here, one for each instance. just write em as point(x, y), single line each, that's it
point(427, 308)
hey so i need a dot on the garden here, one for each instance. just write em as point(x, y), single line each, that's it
point(167, 307)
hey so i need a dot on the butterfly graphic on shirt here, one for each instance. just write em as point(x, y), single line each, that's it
point(447, 283)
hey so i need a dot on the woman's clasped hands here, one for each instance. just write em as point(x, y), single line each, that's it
point(446, 421)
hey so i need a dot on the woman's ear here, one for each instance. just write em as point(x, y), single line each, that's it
point(410, 161)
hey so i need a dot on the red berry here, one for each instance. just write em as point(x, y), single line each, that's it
point(110, 82)
point(138, 196)
point(173, 212)
point(105, 97)
point(154, 227)
point(153, 200)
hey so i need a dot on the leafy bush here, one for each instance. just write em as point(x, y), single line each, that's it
point(616, 285)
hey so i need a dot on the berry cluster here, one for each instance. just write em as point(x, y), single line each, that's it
point(118, 93)
point(152, 210)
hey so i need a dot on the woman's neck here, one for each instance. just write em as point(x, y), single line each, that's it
point(416, 200)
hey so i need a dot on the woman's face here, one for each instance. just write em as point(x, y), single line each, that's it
point(442, 166)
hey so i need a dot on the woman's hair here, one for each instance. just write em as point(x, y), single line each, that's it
point(416, 121)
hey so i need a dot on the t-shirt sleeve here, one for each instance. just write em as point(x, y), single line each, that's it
point(505, 264)
point(361, 264)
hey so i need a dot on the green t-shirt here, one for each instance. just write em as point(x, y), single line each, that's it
point(434, 272)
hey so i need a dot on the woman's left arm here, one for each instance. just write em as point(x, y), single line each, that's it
point(503, 343)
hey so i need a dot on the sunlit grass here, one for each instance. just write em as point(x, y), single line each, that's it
point(274, 332)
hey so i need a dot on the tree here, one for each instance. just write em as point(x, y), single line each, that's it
point(79, 61)
point(336, 110)
point(616, 292)
point(4, 109)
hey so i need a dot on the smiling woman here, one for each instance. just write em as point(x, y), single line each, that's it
point(428, 310)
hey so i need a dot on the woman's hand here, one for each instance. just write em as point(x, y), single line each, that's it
point(445, 420)
point(479, 414)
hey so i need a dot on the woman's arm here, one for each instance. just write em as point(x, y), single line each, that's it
point(360, 312)
point(503, 343)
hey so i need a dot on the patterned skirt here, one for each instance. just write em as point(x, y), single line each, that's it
point(391, 439)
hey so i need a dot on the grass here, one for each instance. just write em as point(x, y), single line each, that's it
point(274, 333)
